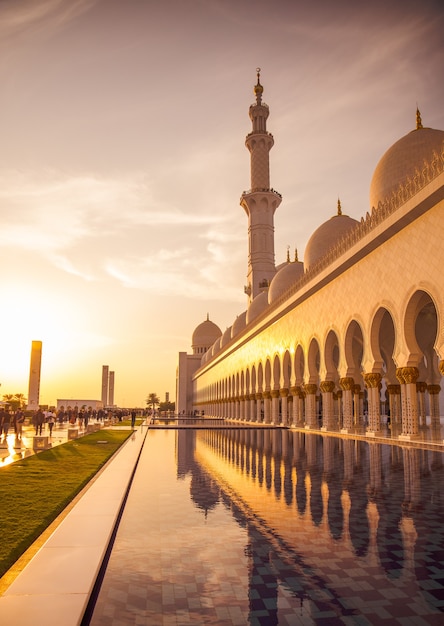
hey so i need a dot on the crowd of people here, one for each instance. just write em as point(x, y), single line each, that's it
point(11, 420)
point(42, 419)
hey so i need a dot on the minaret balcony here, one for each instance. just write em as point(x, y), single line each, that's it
point(261, 190)
point(260, 132)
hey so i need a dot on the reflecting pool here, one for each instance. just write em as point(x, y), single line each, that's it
point(270, 526)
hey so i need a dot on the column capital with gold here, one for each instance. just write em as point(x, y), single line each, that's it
point(310, 389)
point(372, 380)
point(347, 383)
point(327, 386)
point(410, 374)
point(433, 389)
point(399, 375)
point(394, 390)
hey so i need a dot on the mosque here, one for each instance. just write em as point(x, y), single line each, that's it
point(355, 331)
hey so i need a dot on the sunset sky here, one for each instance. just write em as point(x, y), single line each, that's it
point(122, 161)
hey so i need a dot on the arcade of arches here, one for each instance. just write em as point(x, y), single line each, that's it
point(360, 341)
point(325, 385)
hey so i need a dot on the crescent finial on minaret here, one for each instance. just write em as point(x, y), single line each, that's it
point(258, 89)
point(418, 120)
point(339, 207)
point(296, 260)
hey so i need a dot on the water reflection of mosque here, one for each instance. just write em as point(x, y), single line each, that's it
point(332, 523)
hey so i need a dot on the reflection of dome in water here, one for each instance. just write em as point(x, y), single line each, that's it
point(204, 336)
point(204, 491)
point(326, 236)
point(286, 276)
point(258, 305)
point(403, 159)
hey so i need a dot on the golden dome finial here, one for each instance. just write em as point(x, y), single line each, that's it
point(418, 119)
point(339, 207)
point(296, 260)
point(258, 89)
point(288, 254)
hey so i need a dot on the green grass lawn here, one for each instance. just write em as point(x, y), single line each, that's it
point(35, 490)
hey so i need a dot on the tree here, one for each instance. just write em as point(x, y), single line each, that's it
point(15, 401)
point(167, 406)
point(153, 400)
point(20, 398)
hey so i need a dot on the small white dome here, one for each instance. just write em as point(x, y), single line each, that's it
point(225, 337)
point(258, 305)
point(239, 324)
point(287, 276)
point(205, 357)
point(216, 346)
point(204, 336)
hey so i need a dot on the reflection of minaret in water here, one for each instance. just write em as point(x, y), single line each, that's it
point(260, 202)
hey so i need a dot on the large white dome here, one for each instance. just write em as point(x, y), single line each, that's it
point(403, 160)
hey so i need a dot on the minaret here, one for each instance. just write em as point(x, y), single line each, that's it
point(260, 202)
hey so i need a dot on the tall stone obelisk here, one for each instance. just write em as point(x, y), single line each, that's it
point(34, 376)
point(111, 389)
point(105, 382)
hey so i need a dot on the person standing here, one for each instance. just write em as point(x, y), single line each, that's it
point(38, 420)
point(2, 419)
point(133, 419)
point(6, 422)
point(19, 421)
point(50, 421)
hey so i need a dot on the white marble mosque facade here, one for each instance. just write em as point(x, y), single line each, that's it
point(353, 332)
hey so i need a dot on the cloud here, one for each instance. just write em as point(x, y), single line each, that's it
point(49, 211)
point(18, 16)
point(95, 228)
point(185, 274)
